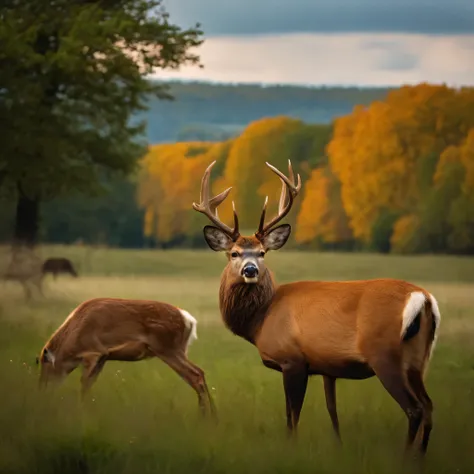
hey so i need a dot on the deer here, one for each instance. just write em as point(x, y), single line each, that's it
point(336, 329)
point(24, 267)
point(58, 265)
point(127, 330)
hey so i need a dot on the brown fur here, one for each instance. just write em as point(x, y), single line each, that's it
point(58, 265)
point(105, 329)
point(350, 329)
point(345, 330)
point(25, 268)
point(243, 306)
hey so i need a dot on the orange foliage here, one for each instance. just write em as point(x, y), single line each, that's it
point(456, 166)
point(270, 139)
point(172, 182)
point(382, 161)
point(375, 151)
point(403, 232)
point(322, 216)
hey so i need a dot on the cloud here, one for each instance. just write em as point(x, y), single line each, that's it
point(392, 54)
point(346, 59)
point(246, 17)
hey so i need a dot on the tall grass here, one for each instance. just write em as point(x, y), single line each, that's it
point(141, 417)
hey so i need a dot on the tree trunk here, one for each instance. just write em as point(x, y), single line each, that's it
point(26, 221)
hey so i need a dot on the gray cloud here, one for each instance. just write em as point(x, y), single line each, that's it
point(379, 59)
point(398, 61)
point(243, 17)
point(391, 55)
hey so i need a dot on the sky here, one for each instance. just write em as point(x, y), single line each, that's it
point(330, 42)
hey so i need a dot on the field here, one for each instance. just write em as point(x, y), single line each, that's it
point(141, 418)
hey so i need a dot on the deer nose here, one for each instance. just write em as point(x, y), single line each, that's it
point(250, 270)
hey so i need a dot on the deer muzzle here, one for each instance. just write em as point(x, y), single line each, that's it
point(250, 272)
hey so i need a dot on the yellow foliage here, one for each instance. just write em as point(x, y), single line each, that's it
point(456, 169)
point(171, 183)
point(375, 152)
point(382, 160)
point(270, 139)
point(403, 232)
point(321, 215)
point(149, 221)
point(467, 159)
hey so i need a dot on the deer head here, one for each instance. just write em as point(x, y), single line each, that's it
point(246, 253)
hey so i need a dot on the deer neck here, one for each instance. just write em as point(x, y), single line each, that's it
point(244, 306)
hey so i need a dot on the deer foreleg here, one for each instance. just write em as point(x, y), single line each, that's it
point(295, 381)
point(330, 393)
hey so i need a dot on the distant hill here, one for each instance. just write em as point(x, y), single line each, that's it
point(208, 111)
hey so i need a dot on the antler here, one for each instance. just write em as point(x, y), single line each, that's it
point(289, 190)
point(208, 207)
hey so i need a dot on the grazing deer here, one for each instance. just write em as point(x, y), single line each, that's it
point(348, 329)
point(25, 268)
point(103, 329)
point(58, 265)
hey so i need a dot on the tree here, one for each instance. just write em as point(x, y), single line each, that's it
point(272, 139)
point(322, 218)
point(72, 73)
point(169, 183)
point(112, 218)
point(385, 156)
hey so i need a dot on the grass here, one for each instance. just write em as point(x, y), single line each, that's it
point(141, 418)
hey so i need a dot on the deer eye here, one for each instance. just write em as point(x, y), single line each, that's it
point(262, 254)
point(234, 254)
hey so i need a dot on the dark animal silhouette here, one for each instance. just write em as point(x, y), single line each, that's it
point(58, 265)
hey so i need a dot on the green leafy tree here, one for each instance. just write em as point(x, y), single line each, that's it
point(72, 75)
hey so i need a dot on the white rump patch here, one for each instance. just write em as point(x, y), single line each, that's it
point(437, 318)
point(413, 306)
point(191, 324)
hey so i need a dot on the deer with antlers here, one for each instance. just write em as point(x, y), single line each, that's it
point(349, 329)
point(103, 329)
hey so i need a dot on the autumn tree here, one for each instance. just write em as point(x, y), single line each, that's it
point(274, 139)
point(322, 220)
point(72, 74)
point(456, 172)
point(385, 155)
point(169, 184)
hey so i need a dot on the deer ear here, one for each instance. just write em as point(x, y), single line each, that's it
point(277, 237)
point(217, 239)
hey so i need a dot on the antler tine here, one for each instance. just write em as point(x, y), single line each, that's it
point(208, 207)
point(288, 192)
point(262, 217)
point(218, 200)
point(283, 196)
point(236, 220)
point(284, 189)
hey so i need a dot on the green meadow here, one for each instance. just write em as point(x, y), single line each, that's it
point(142, 418)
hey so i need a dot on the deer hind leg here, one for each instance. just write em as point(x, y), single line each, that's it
point(295, 382)
point(415, 380)
point(330, 394)
point(39, 285)
point(212, 405)
point(194, 376)
point(26, 289)
point(92, 367)
point(390, 373)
